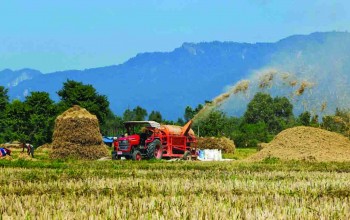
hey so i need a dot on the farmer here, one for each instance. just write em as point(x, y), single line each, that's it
point(4, 151)
point(29, 147)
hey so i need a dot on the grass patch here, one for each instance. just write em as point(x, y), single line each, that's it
point(240, 153)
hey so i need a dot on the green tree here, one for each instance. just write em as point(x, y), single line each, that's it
point(17, 114)
point(339, 122)
point(113, 125)
point(198, 108)
point(190, 113)
point(283, 109)
point(314, 121)
point(4, 101)
point(140, 113)
point(86, 96)
point(260, 109)
point(128, 115)
point(42, 113)
point(304, 118)
point(155, 116)
point(212, 125)
point(276, 113)
point(137, 114)
point(249, 135)
point(180, 122)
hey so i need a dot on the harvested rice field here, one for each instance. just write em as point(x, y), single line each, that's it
point(269, 189)
point(300, 174)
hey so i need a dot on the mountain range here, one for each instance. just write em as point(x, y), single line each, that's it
point(195, 72)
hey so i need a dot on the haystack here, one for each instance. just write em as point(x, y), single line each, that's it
point(77, 135)
point(306, 143)
point(223, 143)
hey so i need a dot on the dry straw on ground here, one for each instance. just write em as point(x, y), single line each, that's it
point(43, 147)
point(24, 156)
point(306, 143)
point(223, 143)
point(7, 157)
point(77, 135)
point(14, 144)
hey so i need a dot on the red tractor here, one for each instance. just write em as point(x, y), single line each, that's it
point(155, 141)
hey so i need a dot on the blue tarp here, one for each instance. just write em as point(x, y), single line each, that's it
point(107, 140)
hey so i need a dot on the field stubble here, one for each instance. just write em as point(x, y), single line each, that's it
point(185, 190)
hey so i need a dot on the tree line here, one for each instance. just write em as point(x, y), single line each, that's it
point(32, 120)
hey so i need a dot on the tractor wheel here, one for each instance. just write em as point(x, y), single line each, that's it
point(187, 156)
point(155, 150)
point(136, 155)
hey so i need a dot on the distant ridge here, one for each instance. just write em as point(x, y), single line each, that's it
point(194, 72)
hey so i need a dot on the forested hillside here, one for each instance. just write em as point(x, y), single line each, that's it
point(195, 72)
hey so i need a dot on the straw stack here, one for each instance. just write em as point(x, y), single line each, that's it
point(77, 135)
point(223, 143)
point(306, 143)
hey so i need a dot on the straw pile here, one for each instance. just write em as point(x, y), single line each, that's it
point(25, 156)
point(7, 157)
point(306, 143)
point(14, 144)
point(223, 143)
point(77, 135)
point(44, 147)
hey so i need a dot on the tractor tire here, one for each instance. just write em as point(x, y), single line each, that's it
point(136, 155)
point(155, 150)
point(187, 155)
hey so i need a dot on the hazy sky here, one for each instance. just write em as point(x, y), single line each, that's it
point(55, 35)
